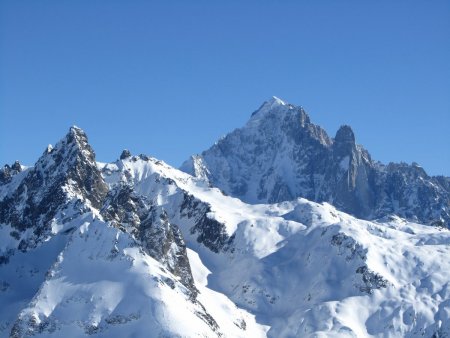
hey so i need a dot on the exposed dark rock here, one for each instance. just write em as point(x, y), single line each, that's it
point(354, 252)
point(163, 241)
point(67, 173)
point(345, 136)
point(4, 257)
point(371, 280)
point(16, 166)
point(7, 172)
point(210, 232)
point(146, 158)
point(208, 319)
point(125, 154)
point(122, 206)
point(348, 246)
point(151, 227)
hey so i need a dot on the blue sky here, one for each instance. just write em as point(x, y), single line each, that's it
point(167, 78)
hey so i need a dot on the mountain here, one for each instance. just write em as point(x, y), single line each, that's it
point(302, 268)
point(138, 248)
point(78, 257)
point(280, 155)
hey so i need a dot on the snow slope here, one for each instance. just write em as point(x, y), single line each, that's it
point(103, 284)
point(305, 268)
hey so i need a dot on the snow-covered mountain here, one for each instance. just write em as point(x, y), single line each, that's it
point(78, 257)
point(280, 155)
point(137, 248)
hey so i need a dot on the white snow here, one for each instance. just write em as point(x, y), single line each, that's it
point(294, 269)
point(92, 289)
point(286, 270)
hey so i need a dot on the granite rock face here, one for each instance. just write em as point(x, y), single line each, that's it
point(280, 155)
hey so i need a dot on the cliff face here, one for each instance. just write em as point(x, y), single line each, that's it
point(280, 155)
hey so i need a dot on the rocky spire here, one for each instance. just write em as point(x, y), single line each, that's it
point(125, 154)
point(67, 173)
point(344, 139)
point(274, 104)
point(74, 160)
point(16, 166)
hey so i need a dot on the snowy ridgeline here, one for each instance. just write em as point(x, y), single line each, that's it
point(137, 248)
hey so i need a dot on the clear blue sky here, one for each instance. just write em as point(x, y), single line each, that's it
point(167, 78)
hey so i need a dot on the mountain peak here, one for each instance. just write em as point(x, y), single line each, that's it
point(279, 154)
point(75, 129)
point(125, 154)
point(77, 135)
point(345, 135)
point(274, 103)
point(72, 160)
point(73, 145)
point(275, 108)
point(67, 172)
point(16, 166)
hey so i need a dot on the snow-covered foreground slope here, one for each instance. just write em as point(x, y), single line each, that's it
point(136, 248)
point(306, 269)
point(102, 284)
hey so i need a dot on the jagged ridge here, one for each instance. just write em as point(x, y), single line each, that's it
point(280, 155)
point(129, 260)
point(62, 205)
